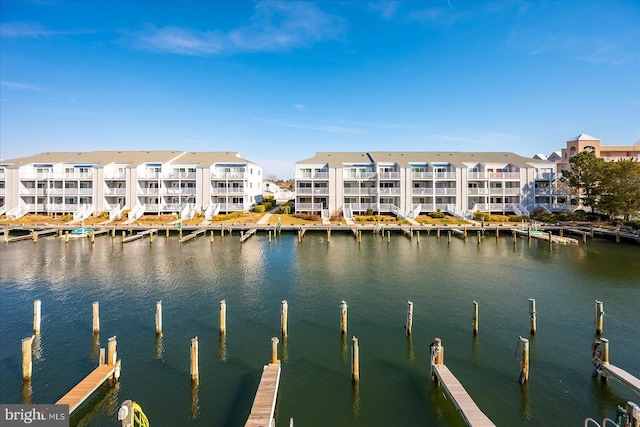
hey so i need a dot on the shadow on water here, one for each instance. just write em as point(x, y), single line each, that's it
point(240, 408)
point(105, 401)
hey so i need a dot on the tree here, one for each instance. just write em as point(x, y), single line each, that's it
point(585, 176)
point(620, 188)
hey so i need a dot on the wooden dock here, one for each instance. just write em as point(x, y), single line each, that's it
point(545, 236)
point(622, 375)
point(139, 235)
point(246, 234)
point(407, 231)
point(264, 404)
point(193, 235)
point(86, 387)
point(472, 415)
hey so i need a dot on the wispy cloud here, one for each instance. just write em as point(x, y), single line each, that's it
point(299, 107)
point(274, 26)
point(320, 128)
point(386, 9)
point(601, 48)
point(488, 139)
point(20, 86)
point(33, 30)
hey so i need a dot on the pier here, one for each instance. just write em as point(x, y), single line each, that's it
point(139, 235)
point(468, 409)
point(264, 404)
point(606, 370)
point(244, 235)
point(78, 394)
point(193, 235)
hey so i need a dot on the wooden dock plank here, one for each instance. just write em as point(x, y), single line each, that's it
point(248, 234)
point(193, 235)
point(264, 403)
point(472, 415)
point(86, 387)
point(622, 375)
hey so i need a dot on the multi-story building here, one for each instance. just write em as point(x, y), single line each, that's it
point(410, 183)
point(610, 153)
point(144, 182)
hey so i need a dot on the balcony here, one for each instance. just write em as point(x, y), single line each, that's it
point(390, 191)
point(367, 191)
point(422, 191)
point(360, 175)
point(228, 190)
point(306, 190)
point(504, 175)
point(545, 176)
point(494, 207)
point(478, 175)
point(444, 175)
point(115, 191)
point(228, 175)
point(149, 175)
point(312, 175)
point(445, 191)
point(85, 191)
point(358, 207)
point(151, 191)
point(180, 175)
point(478, 191)
point(115, 175)
point(389, 175)
point(32, 191)
point(421, 175)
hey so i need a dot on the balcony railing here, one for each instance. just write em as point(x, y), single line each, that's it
point(115, 175)
point(360, 175)
point(306, 190)
point(115, 191)
point(312, 175)
point(152, 191)
point(228, 175)
point(545, 176)
point(390, 191)
point(491, 207)
point(389, 175)
point(180, 175)
point(478, 191)
point(444, 175)
point(421, 175)
point(367, 191)
point(228, 190)
point(149, 175)
point(445, 191)
point(359, 207)
point(422, 191)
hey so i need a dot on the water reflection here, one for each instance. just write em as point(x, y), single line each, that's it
point(222, 347)
point(284, 349)
point(343, 347)
point(27, 390)
point(525, 409)
point(410, 352)
point(36, 347)
point(355, 400)
point(195, 401)
point(159, 348)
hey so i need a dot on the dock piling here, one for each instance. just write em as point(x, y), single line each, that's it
point(599, 314)
point(449, 237)
point(409, 324)
point(96, 317)
point(283, 317)
point(223, 317)
point(524, 361)
point(112, 354)
point(195, 374)
point(633, 411)
point(36, 316)
point(355, 360)
point(27, 365)
point(66, 236)
point(159, 317)
point(479, 237)
point(343, 317)
point(532, 315)
point(418, 237)
point(274, 350)
point(475, 318)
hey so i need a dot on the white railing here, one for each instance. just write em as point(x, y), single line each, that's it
point(85, 191)
point(306, 190)
point(444, 175)
point(19, 211)
point(325, 214)
point(3, 191)
point(415, 211)
point(180, 175)
point(478, 191)
point(83, 212)
point(115, 213)
point(347, 212)
point(477, 175)
point(511, 191)
point(370, 191)
point(496, 191)
point(309, 207)
point(145, 190)
point(360, 175)
point(422, 175)
point(545, 176)
point(360, 207)
point(188, 211)
point(138, 211)
point(115, 191)
point(422, 191)
point(31, 191)
point(3, 209)
point(424, 207)
point(397, 211)
point(445, 191)
point(150, 175)
point(312, 175)
point(212, 210)
point(389, 175)
point(115, 175)
point(227, 190)
point(227, 175)
point(504, 175)
point(232, 207)
point(391, 191)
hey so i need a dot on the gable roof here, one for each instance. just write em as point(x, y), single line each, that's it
point(584, 137)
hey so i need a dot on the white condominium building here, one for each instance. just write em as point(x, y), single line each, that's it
point(410, 183)
point(143, 182)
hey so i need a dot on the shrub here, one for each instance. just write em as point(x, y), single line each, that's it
point(634, 224)
point(437, 214)
point(477, 216)
point(308, 217)
point(259, 209)
point(369, 212)
point(225, 217)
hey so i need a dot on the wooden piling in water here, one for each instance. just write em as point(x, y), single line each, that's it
point(124, 236)
point(409, 324)
point(355, 360)
point(438, 232)
point(96, 317)
point(605, 350)
point(159, 317)
point(27, 365)
point(37, 304)
point(515, 238)
point(274, 350)
point(34, 236)
point(328, 234)
point(475, 318)
point(343, 317)
point(195, 374)
point(112, 354)
point(388, 236)
point(211, 236)
point(497, 232)
point(283, 317)
point(66, 237)
point(449, 237)
point(479, 237)
point(532, 315)
point(151, 237)
point(524, 361)
point(599, 314)
point(418, 237)
point(223, 317)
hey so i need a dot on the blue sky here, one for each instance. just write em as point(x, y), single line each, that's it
point(278, 81)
